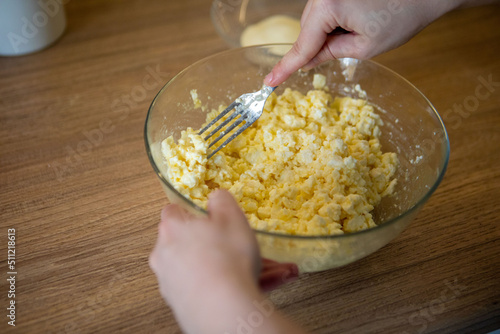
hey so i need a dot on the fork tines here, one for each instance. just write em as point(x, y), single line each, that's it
point(239, 111)
point(248, 106)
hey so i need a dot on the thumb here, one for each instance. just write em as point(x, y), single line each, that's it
point(223, 208)
point(340, 46)
point(316, 25)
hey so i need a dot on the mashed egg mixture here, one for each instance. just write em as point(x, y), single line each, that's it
point(311, 165)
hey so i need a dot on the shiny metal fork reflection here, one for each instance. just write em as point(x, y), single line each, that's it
point(248, 107)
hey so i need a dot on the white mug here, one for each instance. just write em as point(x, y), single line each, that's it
point(28, 26)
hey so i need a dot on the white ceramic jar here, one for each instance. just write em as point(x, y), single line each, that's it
point(28, 26)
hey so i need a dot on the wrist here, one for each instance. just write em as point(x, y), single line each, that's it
point(219, 305)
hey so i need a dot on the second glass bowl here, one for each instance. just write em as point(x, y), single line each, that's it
point(230, 17)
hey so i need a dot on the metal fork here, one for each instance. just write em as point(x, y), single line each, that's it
point(248, 106)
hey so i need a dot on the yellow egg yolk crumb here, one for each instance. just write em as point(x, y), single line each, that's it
point(310, 165)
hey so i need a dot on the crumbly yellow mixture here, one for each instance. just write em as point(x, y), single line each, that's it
point(311, 165)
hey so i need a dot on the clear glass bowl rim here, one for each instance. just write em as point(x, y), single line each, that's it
point(379, 227)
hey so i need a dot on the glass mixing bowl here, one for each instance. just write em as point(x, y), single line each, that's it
point(412, 128)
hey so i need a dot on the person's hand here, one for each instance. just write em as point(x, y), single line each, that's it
point(210, 268)
point(274, 274)
point(195, 259)
point(354, 28)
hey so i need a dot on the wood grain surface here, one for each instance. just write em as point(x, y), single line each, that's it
point(77, 186)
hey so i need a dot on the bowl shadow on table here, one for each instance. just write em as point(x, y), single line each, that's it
point(412, 129)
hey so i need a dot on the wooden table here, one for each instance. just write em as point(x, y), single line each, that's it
point(78, 189)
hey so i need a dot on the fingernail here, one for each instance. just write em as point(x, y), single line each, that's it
point(268, 79)
point(215, 193)
point(289, 276)
point(306, 68)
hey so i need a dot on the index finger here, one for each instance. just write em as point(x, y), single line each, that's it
point(311, 39)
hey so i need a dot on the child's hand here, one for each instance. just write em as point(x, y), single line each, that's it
point(208, 268)
point(193, 253)
point(371, 28)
